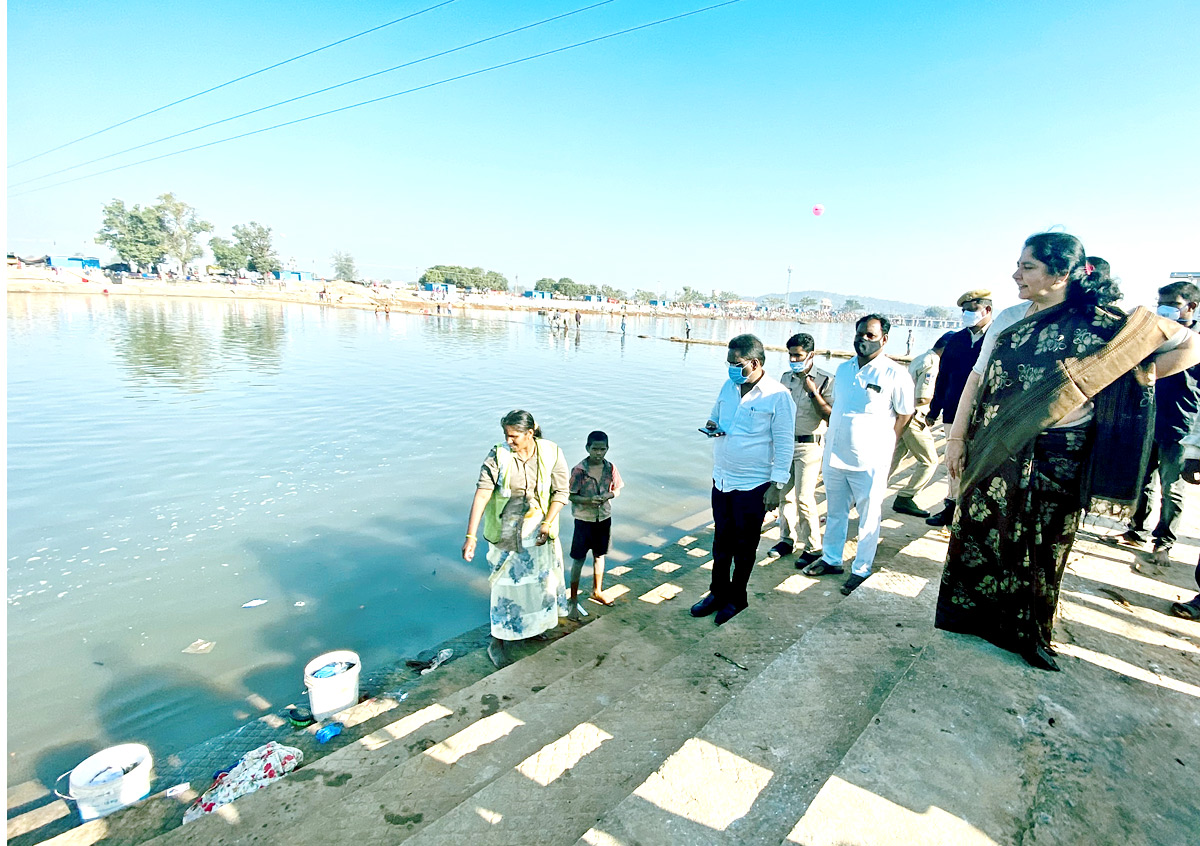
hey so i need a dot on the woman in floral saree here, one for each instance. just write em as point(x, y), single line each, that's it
point(1058, 381)
point(522, 486)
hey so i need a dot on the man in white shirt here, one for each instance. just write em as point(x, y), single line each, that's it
point(872, 403)
point(753, 426)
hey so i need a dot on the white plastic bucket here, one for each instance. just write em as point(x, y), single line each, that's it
point(336, 693)
point(109, 780)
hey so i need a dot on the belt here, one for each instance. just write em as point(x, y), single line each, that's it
point(808, 439)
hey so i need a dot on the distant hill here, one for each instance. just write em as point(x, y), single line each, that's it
point(871, 303)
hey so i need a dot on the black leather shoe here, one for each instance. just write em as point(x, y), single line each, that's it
point(806, 558)
point(779, 550)
point(943, 518)
point(852, 584)
point(1039, 658)
point(705, 606)
point(905, 505)
point(728, 612)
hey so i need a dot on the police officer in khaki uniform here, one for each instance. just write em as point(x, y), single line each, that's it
point(917, 439)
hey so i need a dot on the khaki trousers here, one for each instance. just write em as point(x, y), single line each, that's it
point(917, 440)
point(799, 523)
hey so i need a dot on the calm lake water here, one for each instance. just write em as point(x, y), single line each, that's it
point(172, 459)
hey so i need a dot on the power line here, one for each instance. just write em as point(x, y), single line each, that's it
point(309, 94)
point(385, 97)
point(232, 81)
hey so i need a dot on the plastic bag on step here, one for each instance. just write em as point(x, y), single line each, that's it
point(257, 768)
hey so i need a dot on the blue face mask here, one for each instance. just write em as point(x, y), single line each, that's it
point(799, 366)
point(1169, 312)
point(736, 376)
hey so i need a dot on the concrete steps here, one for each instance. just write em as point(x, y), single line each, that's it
point(751, 770)
point(447, 719)
point(577, 774)
point(435, 710)
point(974, 747)
point(643, 658)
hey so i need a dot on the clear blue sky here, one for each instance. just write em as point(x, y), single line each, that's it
point(937, 136)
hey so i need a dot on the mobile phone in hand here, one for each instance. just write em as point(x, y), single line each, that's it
point(712, 433)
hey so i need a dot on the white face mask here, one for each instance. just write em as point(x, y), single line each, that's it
point(1169, 312)
point(971, 318)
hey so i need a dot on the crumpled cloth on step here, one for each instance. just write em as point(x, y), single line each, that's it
point(257, 768)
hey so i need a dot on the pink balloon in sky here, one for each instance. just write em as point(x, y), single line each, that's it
point(818, 210)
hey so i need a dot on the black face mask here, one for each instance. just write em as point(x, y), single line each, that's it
point(866, 348)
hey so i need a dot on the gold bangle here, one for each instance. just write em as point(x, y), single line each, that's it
point(471, 536)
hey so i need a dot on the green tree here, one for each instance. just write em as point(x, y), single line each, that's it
point(728, 297)
point(228, 255)
point(255, 240)
point(937, 311)
point(343, 266)
point(545, 284)
point(183, 230)
point(852, 305)
point(806, 302)
point(465, 277)
point(641, 296)
point(613, 293)
point(495, 281)
point(571, 289)
point(136, 235)
point(690, 295)
point(771, 302)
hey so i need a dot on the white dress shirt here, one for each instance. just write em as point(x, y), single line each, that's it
point(866, 402)
point(760, 432)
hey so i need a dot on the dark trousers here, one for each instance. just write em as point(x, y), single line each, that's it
point(737, 525)
point(1166, 463)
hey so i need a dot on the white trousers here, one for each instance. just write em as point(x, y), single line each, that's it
point(863, 490)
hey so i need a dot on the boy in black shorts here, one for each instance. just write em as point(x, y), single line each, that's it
point(595, 482)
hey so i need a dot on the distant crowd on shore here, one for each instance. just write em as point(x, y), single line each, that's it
point(1053, 407)
point(389, 296)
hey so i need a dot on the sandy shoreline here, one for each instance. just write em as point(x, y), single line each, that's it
point(340, 294)
point(350, 295)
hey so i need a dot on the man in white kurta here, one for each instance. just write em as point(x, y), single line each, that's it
point(872, 403)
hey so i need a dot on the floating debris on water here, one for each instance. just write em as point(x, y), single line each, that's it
point(442, 657)
point(254, 603)
point(199, 647)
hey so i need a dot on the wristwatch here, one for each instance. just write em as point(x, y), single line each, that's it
point(779, 485)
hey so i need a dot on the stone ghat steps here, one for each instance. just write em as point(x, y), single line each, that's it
point(1003, 754)
point(436, 709)
point(578, 747)
point(750, 772)
point(627, 656)
point(973, 747)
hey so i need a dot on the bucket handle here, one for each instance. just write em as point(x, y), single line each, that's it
point(66, 795)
